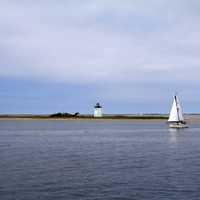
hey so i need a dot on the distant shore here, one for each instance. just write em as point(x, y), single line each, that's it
point(139, 118)
point(83, 117)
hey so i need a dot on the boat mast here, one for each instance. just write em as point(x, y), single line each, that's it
point(177, 108)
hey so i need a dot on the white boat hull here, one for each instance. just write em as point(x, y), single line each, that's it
point(178, 125)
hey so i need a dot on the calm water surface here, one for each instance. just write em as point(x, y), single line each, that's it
point(95, 160)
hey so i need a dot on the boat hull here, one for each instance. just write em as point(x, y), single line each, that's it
point(178, 125)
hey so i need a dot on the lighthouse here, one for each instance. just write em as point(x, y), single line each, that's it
point(98, 110)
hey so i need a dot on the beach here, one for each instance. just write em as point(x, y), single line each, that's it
point(190, 118)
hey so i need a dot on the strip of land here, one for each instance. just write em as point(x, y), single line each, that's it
point(83, 117)
point(190, 118)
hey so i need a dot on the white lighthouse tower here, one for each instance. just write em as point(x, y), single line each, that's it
point(98, 110)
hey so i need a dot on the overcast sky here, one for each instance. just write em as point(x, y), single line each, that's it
point(130, 55)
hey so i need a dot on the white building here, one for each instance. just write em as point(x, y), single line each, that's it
point(98, 110)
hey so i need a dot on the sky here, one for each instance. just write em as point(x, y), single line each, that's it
point(130, 55)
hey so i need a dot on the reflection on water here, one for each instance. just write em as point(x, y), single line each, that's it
point(173, 135)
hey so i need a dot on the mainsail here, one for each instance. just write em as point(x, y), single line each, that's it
point(176, 113)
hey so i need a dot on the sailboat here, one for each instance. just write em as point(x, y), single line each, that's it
point(176, 119)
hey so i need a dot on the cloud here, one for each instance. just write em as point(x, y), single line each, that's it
point(94, 41)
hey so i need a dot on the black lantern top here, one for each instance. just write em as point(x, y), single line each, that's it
point(98, 105)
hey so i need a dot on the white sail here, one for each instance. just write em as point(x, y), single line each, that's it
point(180, 112)
point(176, 113)
point(173, 116)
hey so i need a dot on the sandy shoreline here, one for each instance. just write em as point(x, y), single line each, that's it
point(189, 119)
point(74, 119)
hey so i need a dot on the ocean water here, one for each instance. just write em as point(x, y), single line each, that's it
point(96, 160)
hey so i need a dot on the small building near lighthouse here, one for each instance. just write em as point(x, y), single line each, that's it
point(98, 110)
